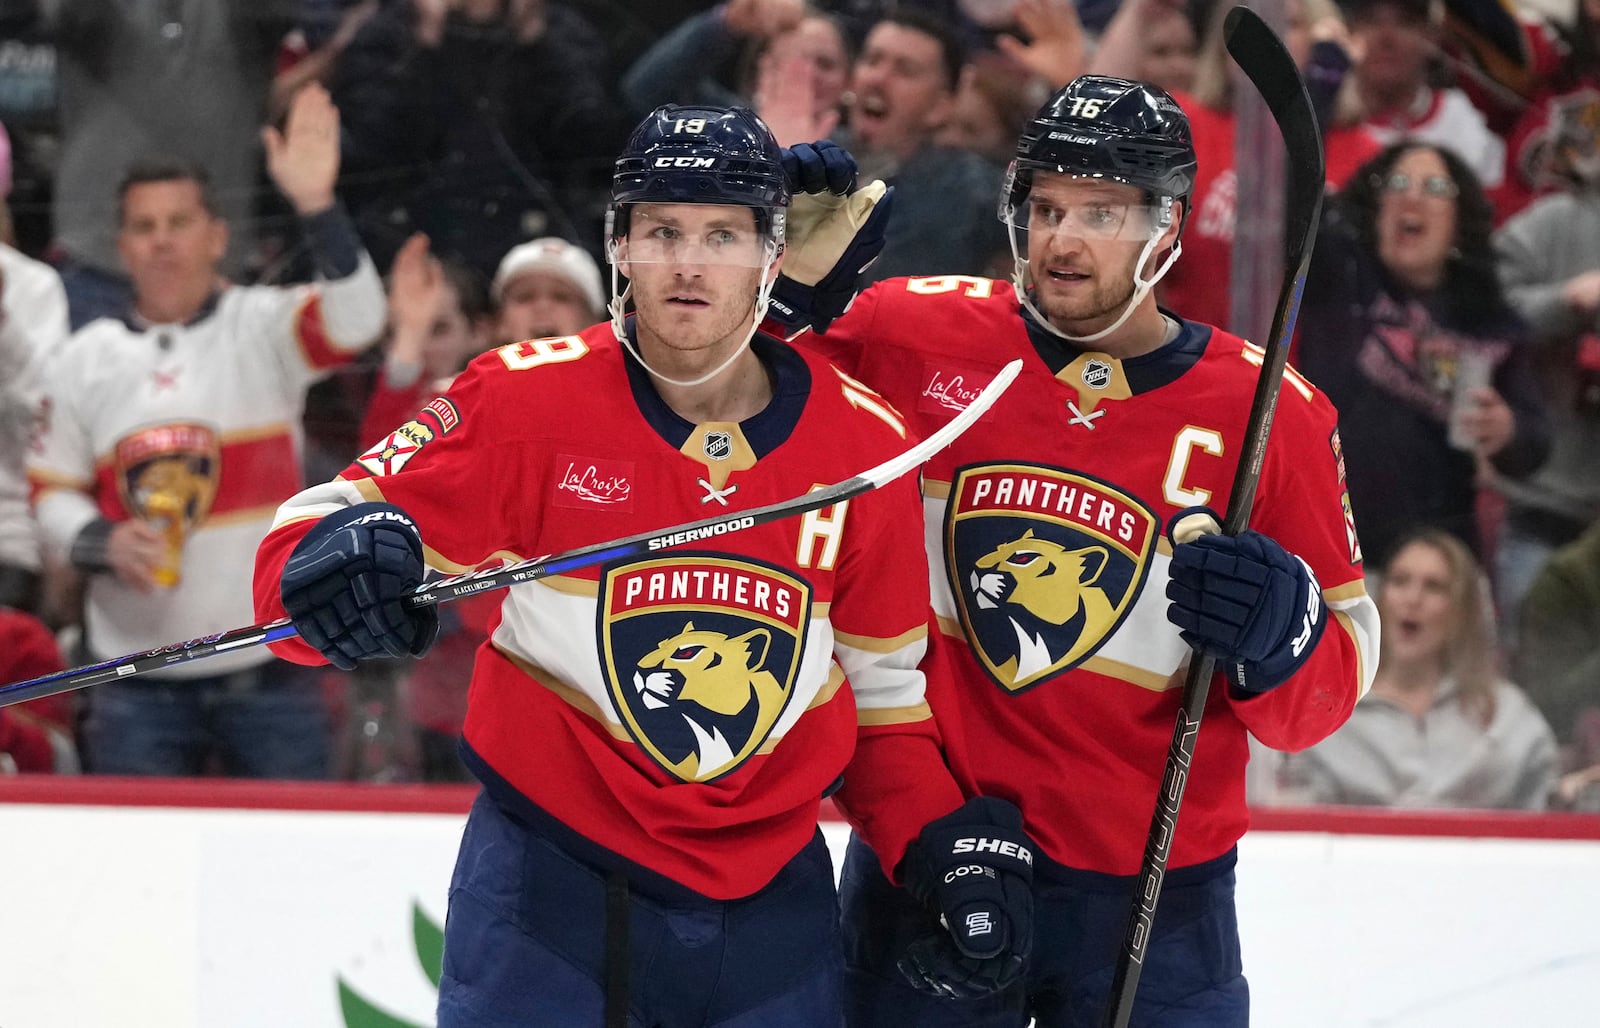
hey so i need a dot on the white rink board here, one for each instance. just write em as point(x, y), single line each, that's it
point(119, 917)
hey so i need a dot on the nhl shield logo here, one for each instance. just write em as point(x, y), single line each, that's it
point(719, 445)
point(1044, 565)
point(700, 655)
point(1096, 374)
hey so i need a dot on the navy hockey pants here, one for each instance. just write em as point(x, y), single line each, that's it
point(1192, 976)
point(525, 943)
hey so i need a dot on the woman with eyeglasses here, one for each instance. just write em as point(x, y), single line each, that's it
point(1407, 330)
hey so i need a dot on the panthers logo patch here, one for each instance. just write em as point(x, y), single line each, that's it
point(181, 462)
point(1044, 564)
point(700, 655)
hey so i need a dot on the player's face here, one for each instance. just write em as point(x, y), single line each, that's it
point(1415, 603)
point(1085, 236)
point(536, 304)
point(1417, 218)
point(899, 94)
point(695, 269)
point(171, 246)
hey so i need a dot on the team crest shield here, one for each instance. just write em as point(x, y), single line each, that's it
point(700, 654)
point(180, 463)
point(1044, 564)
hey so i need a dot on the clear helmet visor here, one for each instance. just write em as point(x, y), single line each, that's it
point(1093, 221)
point(702, 234)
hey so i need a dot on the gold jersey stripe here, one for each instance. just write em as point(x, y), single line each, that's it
point(893, 715)
point(875, 644)
point(570, 695)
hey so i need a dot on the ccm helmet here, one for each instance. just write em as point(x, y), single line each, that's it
point(1106, 128)
point(701, 154)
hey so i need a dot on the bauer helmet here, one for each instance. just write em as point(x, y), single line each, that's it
point(1110, 128)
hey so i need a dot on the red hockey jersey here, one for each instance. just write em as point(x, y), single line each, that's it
point(687, 709)
point(1056, 676)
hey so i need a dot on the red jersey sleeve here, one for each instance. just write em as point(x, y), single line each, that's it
point(1302, 503)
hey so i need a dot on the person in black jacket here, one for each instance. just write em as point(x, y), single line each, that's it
point(482, 123)
point(1407, 330)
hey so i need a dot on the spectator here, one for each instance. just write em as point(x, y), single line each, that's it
point(1558, 660)
point(1535, 78)
point(1394, 42)
point(181, 415)
point(994, 101)
point(438, 321)
point(129, 86)
point(480, 123)
point(1201, 286)
point(1439, 728)
point(1550, 265)
point(777, 44)
point(33, 323)
point(1151, 41)
point(903, 90)
point(548, 287)
point(1402, 307)
point(35, 737)
point(28, 107)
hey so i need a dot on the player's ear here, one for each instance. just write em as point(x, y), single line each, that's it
point(1170, 236)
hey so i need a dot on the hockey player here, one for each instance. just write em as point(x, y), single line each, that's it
point(654, 735)
point(1057, 668)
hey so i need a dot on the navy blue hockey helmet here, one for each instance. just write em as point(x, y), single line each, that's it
point(701, 154)
point(1111, 128)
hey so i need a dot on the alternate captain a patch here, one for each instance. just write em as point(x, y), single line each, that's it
point(1044, 563)
point(700, 653)
point(395, 450)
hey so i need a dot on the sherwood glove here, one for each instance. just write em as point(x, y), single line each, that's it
point(832, 235)
point(344, 582)
point(1247, 601)
point(974, 867)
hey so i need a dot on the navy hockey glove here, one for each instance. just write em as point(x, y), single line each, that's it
point(344, 582)
point(974, 867)
point(1247, 601)
point(832, 235)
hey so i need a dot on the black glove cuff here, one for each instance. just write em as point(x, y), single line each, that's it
point(983, 831)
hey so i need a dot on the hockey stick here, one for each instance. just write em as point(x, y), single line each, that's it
point(446, 589)
point(1262, 57)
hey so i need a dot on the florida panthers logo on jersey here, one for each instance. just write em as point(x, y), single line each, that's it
point(1044, 564)
point(167, 468)
point(701, 654)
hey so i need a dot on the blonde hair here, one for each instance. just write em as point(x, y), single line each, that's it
point(1469, 647)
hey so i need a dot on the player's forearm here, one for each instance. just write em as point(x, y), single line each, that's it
point(895, 784)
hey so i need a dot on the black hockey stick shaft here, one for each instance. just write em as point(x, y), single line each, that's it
point(446, 589)
point(1263, 58)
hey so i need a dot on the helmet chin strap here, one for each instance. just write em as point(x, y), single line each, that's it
point(619, 325)
point(1022, 273)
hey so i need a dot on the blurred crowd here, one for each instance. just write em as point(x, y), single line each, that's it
point(243, 242)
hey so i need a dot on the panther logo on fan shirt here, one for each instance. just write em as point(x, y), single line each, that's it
point(700, 654)
point(182, 462)
point(1044, 563)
